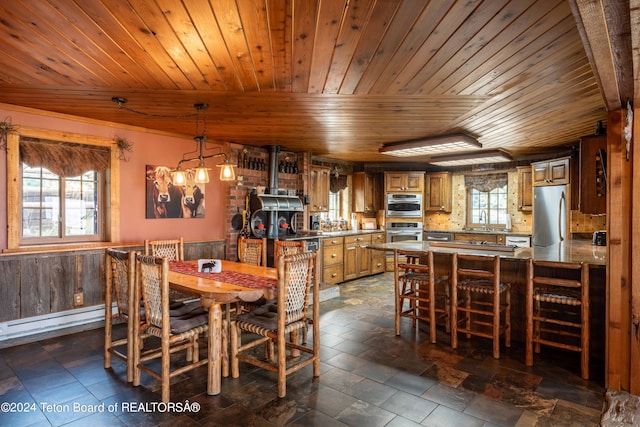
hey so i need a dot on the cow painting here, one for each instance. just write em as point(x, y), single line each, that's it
point(192, 197)
point(164, 200)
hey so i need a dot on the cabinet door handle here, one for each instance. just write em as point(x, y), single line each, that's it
point(334, 255)
point(334, 275)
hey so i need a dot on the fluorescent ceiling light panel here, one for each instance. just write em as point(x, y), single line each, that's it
point(427, 146)
point(471, 158)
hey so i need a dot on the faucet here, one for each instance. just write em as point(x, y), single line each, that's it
point(483, 214)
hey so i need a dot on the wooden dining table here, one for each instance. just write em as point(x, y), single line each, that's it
point(236, 282)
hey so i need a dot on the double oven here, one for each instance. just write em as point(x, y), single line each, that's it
point(404, 217)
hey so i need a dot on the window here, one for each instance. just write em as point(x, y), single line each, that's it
point(67, 189)
point(486, 200)
point(334, 206)
point(55, 208)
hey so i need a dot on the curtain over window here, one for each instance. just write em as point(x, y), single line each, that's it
point(337, 183)
point(63, 159)
point(486, 182)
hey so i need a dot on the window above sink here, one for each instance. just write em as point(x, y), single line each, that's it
point(487, 202)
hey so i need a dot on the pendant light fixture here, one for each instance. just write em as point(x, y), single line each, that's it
point(227, 173)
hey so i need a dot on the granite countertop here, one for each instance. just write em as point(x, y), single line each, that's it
point(347, 233)
point(577, 250)
point(476, 231)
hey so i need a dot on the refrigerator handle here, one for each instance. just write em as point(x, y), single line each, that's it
point(563, 201)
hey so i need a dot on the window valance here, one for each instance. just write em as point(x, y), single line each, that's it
point(337, 183)
point(486, 182)
point(63, 159)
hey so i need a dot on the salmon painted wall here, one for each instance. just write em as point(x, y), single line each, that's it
point(148, 149)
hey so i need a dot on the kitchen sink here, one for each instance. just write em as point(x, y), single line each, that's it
point(478, 245)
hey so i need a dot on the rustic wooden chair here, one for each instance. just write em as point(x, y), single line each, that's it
point(252, 251)
point(419, 294)
point(274, 322)
point(481, 298)
point(173, 250)
point(286, 247)
point(557, 309)
point(119, 285)
point(176, 333)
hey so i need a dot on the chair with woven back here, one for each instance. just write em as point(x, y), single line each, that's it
point(176, 333)
point(119, 287)
point(252, 251)
point(420, 295)
point(173, 250)
point(273, 322)
point(481, 299)
point(557, 309)
point(287, 247)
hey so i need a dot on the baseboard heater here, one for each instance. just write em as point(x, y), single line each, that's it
point(51, 322)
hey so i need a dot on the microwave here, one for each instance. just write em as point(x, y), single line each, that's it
point(404, 205)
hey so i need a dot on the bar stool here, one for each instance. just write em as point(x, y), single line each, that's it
point(419, 294)
point(482, 299)
point(557, 309)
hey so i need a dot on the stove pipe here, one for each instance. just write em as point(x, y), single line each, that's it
point(274, 150)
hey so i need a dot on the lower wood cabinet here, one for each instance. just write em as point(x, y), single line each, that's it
point(378, 258)
point(348, 258)
point(357, 256)
point(333, 260)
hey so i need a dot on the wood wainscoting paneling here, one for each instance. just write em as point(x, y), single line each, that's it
point(41, 283)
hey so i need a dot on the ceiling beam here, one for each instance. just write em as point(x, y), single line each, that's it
point(605, 29)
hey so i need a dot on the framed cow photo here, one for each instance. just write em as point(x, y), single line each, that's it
point(164, 199)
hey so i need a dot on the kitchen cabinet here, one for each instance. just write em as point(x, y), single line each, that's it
point(593, 185)
point(357, 256)
point(525, 188)
point(319, 188)
point(404, 182)
point(378, 258)
point(333, 260)
point(438, 187)
point(365, 192)
point(551, 172)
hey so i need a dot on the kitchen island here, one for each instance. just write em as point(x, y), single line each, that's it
point(513, 270)
point(577, 250)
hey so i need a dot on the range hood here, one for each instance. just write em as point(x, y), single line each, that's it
point(273, 202)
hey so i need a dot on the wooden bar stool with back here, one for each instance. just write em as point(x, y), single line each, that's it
point(480, 302)
point(557, 309)
point(419, 294)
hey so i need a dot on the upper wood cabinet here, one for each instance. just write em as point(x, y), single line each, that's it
point(319, 188)
point(525, 188)
point(438, 186)
point(404, 182)
point(551, 172)
point(366, 195)
point(593, 185)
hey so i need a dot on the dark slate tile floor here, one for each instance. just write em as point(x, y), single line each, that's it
point(369, 377)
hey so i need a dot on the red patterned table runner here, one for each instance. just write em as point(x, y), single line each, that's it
point(233, 277)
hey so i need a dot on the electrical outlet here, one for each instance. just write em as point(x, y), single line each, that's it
point(78, 298)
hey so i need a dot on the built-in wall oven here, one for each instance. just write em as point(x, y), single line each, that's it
point(404, 205)
point(402, 231)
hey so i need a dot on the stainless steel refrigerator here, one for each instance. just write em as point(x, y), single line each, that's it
point(549, 215)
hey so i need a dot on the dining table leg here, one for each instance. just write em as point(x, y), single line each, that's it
point(215, 330)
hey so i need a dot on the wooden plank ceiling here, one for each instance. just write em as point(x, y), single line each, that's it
point(336, 77)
